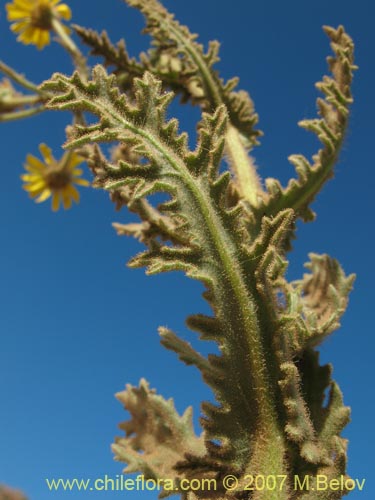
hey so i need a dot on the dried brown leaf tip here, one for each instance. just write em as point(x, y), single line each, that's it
point(7, 493)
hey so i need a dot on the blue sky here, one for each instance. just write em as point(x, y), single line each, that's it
point(76, 324)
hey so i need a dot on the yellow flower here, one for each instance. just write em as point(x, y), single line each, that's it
point(54, 178)
point(34, 19)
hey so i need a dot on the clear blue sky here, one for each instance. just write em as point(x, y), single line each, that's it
point(76, 324)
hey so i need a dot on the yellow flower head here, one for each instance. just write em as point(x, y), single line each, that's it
point(34, 19)
point(54, 178)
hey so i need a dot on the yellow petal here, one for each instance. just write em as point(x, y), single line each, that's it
point(72, 192)
point(24, 4)
point(34, 171)
point(55, 201)
point(45, 38)
point(46, 193)
point(34, 163)
point(14, 13)
point(64, 11)
point(19, 27)
point(75, 160)
point(35, 35)
point(41, 40)
point(27, 36)
point(81, 182)
point(46, 153)
point(34, 193)
point(30, 177)
point(35, 186)
point(67, 201)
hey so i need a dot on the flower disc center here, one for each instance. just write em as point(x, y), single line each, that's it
point(57, 180)
point(41, 17)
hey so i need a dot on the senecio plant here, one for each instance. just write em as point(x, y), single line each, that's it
point(221, 225)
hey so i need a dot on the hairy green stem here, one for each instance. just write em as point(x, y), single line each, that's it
point(242, 165)
point(17, 115)
point(18, 78)
point(235, 301)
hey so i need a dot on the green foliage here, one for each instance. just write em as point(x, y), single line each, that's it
point(329, 128)
point(221, 227)
point(180, 63)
